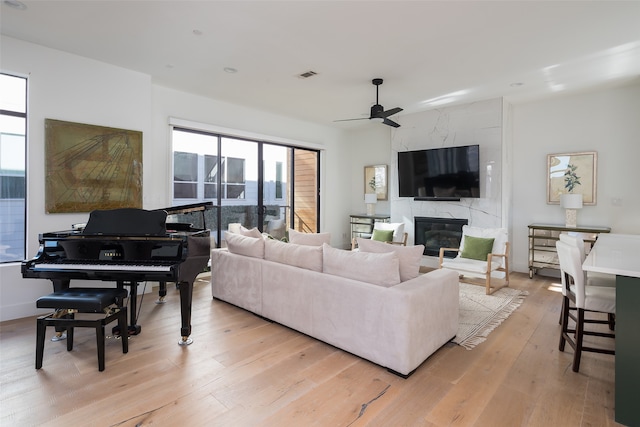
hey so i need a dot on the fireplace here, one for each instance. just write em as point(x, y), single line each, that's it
point(436, 233)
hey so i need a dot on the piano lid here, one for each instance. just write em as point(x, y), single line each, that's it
point(126, 221)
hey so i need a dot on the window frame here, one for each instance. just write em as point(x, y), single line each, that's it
point(23, 197)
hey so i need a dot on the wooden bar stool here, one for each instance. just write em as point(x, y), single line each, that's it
point(69, 301)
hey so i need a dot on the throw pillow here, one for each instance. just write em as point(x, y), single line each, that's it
point(408, 256)
point(254, 232)
point(243, 245)
point(476, 248)
point(397, 227)
point(376, 268)
point(382, 235)
point(309, 239)
point(303, 256)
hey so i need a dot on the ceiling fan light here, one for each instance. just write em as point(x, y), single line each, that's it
point(377, 119)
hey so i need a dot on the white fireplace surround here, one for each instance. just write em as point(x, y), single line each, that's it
point(479, 123)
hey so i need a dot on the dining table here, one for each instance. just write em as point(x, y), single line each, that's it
point(619, 255)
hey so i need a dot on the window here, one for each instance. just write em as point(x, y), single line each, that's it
point(186, 182)
point(185, 175)
point(279, 187)
point(250, 182)
point(234, 181)
point(13, 126)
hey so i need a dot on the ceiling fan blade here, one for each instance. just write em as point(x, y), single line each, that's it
point(391, 123)
point(377, 111)
point(349, 120)
point(390, 112)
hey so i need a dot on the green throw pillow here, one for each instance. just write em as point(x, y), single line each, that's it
point(476, 248)
point(382, 235)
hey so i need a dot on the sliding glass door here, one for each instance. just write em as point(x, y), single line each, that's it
point(251, 183)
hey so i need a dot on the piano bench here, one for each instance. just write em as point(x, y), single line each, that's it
point(83, 300)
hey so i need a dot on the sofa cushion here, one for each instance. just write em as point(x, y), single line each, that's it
point(243, 245)
point(254, 232)
point(382, 235)
point(309, 239)
point(375, 268)
point(303, 256)
point(409, 257)
point(476, 248)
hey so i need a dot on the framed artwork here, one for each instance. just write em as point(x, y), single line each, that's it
point(572, 173)
point(375, 181)
point(91, 167)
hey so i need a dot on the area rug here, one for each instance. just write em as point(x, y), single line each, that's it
point(480, 313)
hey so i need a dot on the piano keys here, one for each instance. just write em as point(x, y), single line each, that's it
point(127, 246)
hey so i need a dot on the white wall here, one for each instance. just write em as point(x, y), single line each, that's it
point(369, 145)
point(72, 88)
point(606, 121)
point(64, 87)
point(476, 123)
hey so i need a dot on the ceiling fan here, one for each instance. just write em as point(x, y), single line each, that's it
point(377, 111)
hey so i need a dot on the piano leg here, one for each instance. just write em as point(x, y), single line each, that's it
point(186, 295)
point(134, 328)
point(162, 293)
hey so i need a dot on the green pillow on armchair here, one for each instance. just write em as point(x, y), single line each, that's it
point(476, 248)
point(382, 235)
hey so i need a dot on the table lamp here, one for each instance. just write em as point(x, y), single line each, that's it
point(571, 202)
point(371, 199)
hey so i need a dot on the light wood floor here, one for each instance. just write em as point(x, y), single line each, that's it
point(242, 370)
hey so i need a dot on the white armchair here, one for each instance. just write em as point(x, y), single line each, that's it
point(399, 235)
point(483, 253)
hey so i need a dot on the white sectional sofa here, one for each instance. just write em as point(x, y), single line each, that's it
point(355, 301)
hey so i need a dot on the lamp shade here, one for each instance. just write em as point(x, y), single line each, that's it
point(370, 198)
point(571, 201)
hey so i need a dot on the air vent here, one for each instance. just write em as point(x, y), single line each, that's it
point(307, 74)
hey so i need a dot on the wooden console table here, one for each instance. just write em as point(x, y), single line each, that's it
point(542, 243)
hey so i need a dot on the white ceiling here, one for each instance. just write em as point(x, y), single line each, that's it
point(428, 52)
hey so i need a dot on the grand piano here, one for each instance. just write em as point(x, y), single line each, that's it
point(128, 246)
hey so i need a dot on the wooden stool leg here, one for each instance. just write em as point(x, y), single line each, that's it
point(41, 328)
point(69, 338)
point(100, 344)
point(565, 323)
point(124, 330)
point(579, 336)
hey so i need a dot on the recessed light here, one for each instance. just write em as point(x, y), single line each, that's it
point(15, 4)
point(230, 70)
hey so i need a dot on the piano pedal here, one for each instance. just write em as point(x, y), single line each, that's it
point(59, 336)
point(133, 330)
point(160, 300)
point(61, 312)
point(114, 336)
point(108, 311)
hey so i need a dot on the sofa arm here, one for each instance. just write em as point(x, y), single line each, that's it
point(421, 316)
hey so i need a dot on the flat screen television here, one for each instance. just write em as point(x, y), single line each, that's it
point(440, 173)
